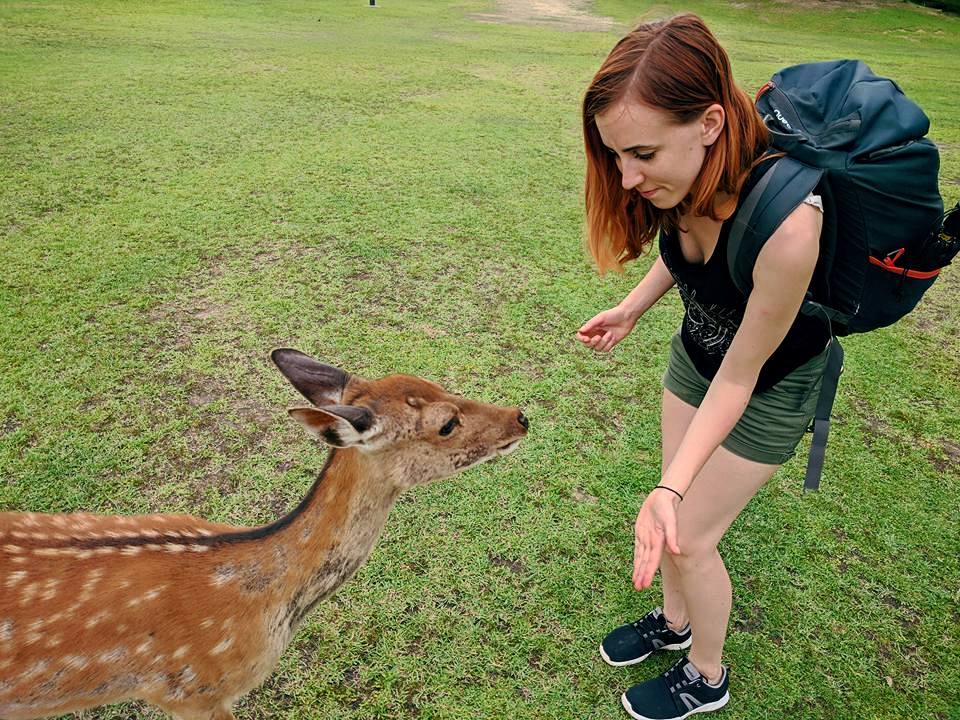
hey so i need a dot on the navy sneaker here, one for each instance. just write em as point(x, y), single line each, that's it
point(633, 643)
point(680, 692)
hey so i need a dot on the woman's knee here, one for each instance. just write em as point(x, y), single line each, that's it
point(694, 553)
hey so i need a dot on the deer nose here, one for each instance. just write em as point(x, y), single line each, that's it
point(522, 419)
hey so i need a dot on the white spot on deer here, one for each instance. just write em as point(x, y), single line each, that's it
point(226, 623)
point(30, 519)
point(144, 647)
point(153, 546)
point(199, 548)
point(15, 577)
point(204, 532)
point(47, 552)
point(75, 662)
point(28, 593)
point(13, 549)
point(180, 652)
point(32, 638)
point(150, 533)
point(84, 554)
point(223, 574)
point(38, 667)
point(174, 548)
point(93, 579)
point(105, 550)
point(131, 550)
point(152, 594)
point(54, 641)
point(206, 623)
point(112, 656)
point(6, 631)
point(97, 619)
point(19, 560)
point(222, 646)
point(50, 589)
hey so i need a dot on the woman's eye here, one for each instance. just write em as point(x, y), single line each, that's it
point(448, 428)
point(643, 156)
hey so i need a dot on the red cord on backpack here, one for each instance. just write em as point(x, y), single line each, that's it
point(889, 263)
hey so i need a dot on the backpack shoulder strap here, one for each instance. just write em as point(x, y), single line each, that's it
point(777, 194)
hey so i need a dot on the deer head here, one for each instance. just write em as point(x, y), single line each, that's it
point(409, 425)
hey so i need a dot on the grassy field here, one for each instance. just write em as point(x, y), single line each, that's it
point(184, 186)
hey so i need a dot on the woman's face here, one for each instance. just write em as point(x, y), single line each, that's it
point(657, 157)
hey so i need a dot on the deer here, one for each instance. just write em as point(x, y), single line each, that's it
point(189, 615)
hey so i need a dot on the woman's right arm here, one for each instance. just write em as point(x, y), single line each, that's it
point(606, 329)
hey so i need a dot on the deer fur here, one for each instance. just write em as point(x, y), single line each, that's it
point(191, 615)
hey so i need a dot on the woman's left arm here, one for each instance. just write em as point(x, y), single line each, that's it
point(781, 277)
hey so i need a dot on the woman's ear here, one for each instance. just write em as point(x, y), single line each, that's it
point(711, 123)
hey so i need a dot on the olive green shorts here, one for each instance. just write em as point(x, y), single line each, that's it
point(774, 421)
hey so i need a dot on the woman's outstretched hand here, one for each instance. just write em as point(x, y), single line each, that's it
point(656, 525)
point(606, 329)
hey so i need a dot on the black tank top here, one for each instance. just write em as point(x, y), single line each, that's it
point(714, 309)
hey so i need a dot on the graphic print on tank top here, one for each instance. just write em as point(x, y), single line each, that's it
point(710, 326)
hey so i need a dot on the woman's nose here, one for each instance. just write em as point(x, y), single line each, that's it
point(630, 176)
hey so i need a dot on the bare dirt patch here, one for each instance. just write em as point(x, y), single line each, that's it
point(569, 15)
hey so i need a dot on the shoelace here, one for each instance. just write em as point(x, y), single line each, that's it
point(648, 625)
point(676, 678)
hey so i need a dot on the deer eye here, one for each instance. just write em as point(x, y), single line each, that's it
point(451, 424)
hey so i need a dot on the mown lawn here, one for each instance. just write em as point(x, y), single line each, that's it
point(184, 186)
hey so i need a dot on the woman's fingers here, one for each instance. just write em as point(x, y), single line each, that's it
point(670, 535)
point(647, 546)
point(638, 553)
point(591, 326)
point(653, 562)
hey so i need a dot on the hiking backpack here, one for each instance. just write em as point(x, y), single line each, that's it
point(856, 140)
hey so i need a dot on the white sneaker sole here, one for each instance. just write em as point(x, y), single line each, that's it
point(706, 707)
point(623, 663)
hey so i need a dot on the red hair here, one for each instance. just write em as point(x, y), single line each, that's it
point(676, 66)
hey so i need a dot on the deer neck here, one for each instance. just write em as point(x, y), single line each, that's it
point(322, 543)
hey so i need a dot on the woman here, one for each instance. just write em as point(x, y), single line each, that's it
point(672, 147)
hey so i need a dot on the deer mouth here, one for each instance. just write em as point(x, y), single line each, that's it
point(509, 447)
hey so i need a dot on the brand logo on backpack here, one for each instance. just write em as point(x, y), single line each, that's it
point(782, 119)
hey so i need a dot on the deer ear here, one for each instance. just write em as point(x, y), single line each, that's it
point(337, 425)
point(320, 384)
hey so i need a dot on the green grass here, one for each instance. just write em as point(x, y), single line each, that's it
point(187, 185)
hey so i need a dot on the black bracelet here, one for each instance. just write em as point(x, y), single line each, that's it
point(664, 487)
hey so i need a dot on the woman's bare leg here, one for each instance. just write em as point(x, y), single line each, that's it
point(697, 576)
